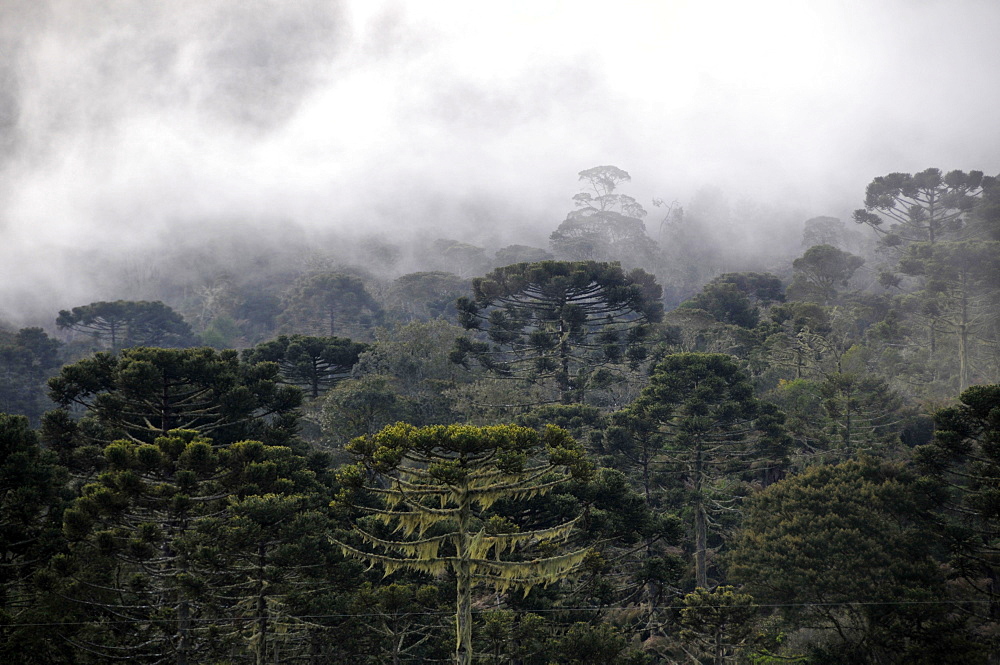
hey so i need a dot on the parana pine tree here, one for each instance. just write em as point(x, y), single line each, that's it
point(439, 484)
point(563, 324)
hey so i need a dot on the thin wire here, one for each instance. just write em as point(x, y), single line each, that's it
point(589, 608)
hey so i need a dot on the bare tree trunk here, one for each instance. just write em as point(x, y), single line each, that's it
point(963, 339)
point(700, 527)
point(564, 386)
point(463, 584)
point(261, 643)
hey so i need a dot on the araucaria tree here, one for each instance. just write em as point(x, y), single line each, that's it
point(314, 364)
point(124, 323)
point(919, 207)
point(960, 294)
point(716, 432)
point(438, 485)
point(561, 322)
point(329, 303)
point(144, 393)
point(178, 532)
point(965, 458)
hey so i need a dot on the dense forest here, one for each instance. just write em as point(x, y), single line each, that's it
point(703, 433)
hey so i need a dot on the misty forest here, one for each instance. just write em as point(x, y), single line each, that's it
point(431, 406)
point(607, 449)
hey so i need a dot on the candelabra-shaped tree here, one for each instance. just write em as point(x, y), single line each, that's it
point(437, 485)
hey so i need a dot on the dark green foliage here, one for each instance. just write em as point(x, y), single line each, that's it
point(421, 296)
point(715, 431)
point(362, 406)
point(733, 298)
point(759, 288)
point(415, 359)
point(720, 623)
point(849, 550)
point(178, 532)
point(559, 322)
point(126, 323)
point(311, 363)
point(511, 254)
point(143, 393)
point(602, 644)
point(257, 311)
point(580, 420)
point(634, 558)
point(864, 412)
point(512, 637)
point(129, 533)
point(329, 304)
point(27, 359)
point(820, 272)
point(403, 622)
point(920, 207)
point(269, 554)
point(964, 458)
point(32, 496)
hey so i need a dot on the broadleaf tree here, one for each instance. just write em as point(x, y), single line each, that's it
point(849, 550)
point(820, 271)
point(607, 225)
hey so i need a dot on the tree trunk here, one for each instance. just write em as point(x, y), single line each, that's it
point(847, 424)
point(260, 647)
point(963, 339)
point(463, 586)
point(183, 615)
point(700, 526)
point(183, 623)
point(564, 393)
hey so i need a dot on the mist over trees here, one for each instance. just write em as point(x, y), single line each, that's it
point(610, 440)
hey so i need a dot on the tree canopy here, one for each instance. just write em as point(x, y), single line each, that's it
point(441, 483)
point(329, 304)
point(919, 207)
point(144, 393)
point(558, 321)
point(607, 225)
point(125, 323)
point(715, 429)
point(313, 363)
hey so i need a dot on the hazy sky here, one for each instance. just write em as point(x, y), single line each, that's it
point(123, 119)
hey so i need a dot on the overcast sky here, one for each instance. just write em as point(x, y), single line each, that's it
point(123, 119)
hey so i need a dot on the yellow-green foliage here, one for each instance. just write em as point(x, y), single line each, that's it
point(440, 479)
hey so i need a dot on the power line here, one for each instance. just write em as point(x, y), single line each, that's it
point(589, 608)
